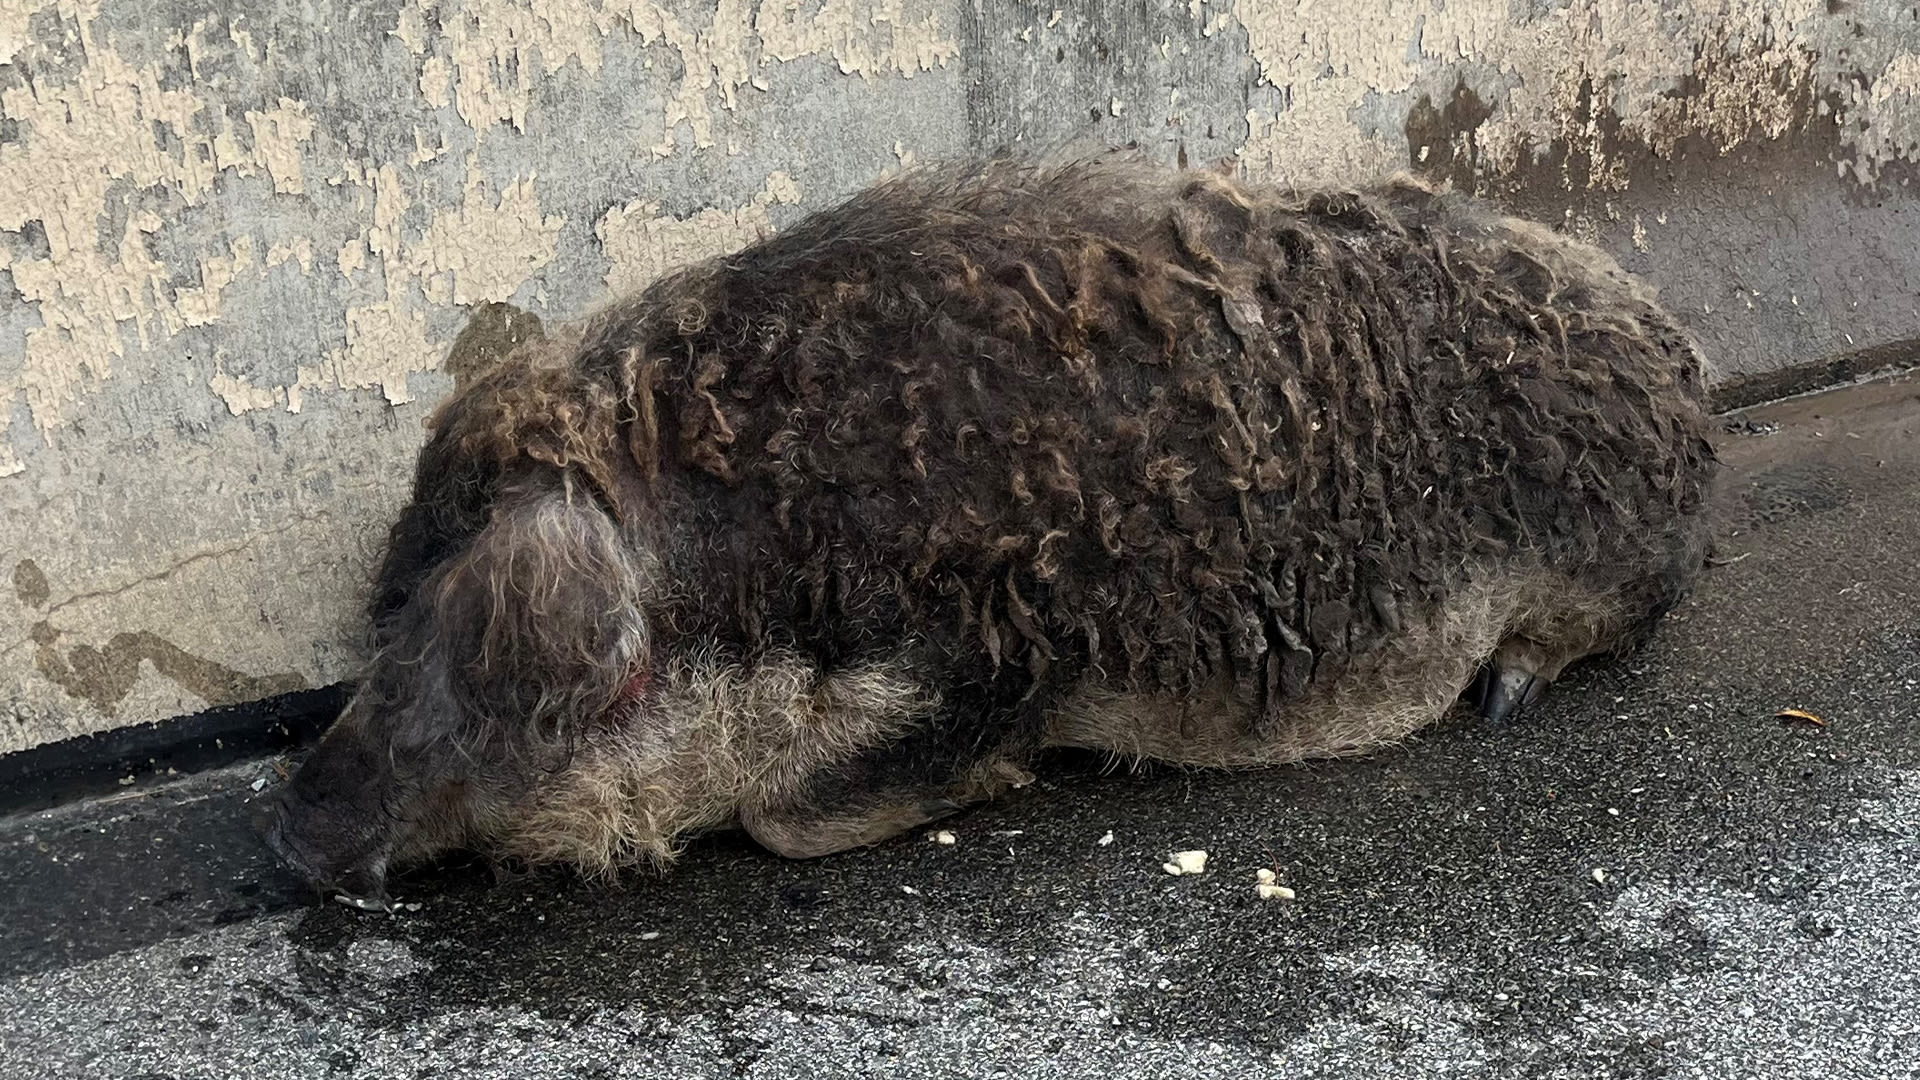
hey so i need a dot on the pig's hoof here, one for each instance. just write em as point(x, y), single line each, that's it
point(937, 808)
point(365, 903)
point(1502, 692)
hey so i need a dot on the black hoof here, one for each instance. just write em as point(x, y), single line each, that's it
point(1502, 694)
point(938, 808)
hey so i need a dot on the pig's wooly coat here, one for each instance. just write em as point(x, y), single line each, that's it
point(831, 537)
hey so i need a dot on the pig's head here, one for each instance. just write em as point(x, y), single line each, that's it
point(490, 671)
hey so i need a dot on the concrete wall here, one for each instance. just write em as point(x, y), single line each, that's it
point(239, 240)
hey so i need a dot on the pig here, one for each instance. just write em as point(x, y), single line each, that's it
point(834, 537)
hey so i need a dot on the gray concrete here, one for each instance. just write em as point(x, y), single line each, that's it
point(1650, 876)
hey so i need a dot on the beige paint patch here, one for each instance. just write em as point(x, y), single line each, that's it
point(353, 257)
point(487, 248)
point(385, 343)
point(277, 137)
point(299, 250)
point(240, 395)
point(641, 244)
point(13, 24)
point(436, 81)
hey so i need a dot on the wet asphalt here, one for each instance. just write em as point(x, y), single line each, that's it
point(1650, 874)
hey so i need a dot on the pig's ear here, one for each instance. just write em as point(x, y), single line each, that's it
point(539, 621)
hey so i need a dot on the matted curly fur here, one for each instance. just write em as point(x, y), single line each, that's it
point(832, 536)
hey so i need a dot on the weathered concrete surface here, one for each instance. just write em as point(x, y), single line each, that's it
point(1754, 914)
point(239, 241)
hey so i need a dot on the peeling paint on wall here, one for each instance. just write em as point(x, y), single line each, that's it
point(13, 24)
point(641, 244)
point(490, 66)
point(118, 123)
point(83, 141)
point(485, 249)
point(1583, 72)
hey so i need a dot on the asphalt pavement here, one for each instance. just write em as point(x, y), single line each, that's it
point(1650, 874)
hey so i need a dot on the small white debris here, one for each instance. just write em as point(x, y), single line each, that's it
point(945, 837)
point(1273, 892)
point(1117, 107)
point(1186, 862)
point(259, 785)
point(126, 781)
point(1106, 840)
point(1055, 19)
point(1599, 875)
point(651, 935)
point(910, 890)
point(1264, 876)
point(1613, 811)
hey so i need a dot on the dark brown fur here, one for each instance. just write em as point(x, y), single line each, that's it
point(1009, 432)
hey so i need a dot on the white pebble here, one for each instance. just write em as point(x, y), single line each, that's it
point(944, 837)
point(259, 784)
point(1599, 875)
point(1269, 891)
point(1105, 840)
point(1186, 862)
point(910, 890)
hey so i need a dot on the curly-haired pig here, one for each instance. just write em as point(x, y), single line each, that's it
point(832, 537)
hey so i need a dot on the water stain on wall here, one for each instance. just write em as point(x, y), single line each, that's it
point(30, 584)
point(493, 332)
point(102, 677)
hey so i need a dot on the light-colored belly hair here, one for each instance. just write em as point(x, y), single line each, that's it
point(718, 739)
point(722, 740)
point(1376, 699)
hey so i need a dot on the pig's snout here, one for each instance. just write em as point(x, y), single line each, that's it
point(297, 832)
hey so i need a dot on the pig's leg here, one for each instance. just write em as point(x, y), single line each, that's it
point(819, 826)
point(807, 831)
point(969, 752)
